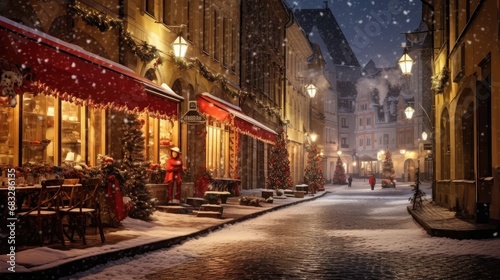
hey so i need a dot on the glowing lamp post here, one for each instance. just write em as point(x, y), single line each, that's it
point(180, 47)
point(405, 63)
point(311, 90)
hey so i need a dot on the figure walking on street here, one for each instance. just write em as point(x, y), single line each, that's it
point(372, 181)
point(173, 178)
point(349, 181)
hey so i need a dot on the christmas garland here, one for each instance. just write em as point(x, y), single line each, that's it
point(440, 80)
point(146, 52)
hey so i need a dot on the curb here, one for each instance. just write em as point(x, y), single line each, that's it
point(86, 263)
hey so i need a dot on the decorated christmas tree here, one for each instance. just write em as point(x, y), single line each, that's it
point(388, 171)
point(135, 166)
point(279, 164)
point(314, 170)
point(339, 175)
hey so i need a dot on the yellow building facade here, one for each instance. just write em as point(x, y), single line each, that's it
point(466, 57)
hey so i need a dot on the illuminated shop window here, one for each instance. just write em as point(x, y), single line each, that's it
point(217, 152)
point(38, 129)
point(166, 139)
point(72, 132)
point(7, 133)
point(95, 135)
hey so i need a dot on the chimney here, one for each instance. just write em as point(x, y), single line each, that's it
point(326, 4)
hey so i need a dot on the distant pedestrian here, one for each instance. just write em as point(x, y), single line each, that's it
point(349, 180)
point(372, 181)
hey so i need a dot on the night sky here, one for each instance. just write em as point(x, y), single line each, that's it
point(373, 28)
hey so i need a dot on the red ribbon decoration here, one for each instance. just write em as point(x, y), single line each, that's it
point(116, 197)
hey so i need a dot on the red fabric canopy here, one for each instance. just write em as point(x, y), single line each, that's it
point(73, 74)
point(226, 112)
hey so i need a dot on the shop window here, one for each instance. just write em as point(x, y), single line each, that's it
point(96, 136)
point(38, 129)
point(166, 133)
point(72, 130)
point(148, 130)
point(7, 133)
point(217, 139)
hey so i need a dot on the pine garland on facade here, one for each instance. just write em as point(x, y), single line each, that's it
point(135, 166)
point(279, 164)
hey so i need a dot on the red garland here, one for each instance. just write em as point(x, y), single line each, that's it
point(116, 198)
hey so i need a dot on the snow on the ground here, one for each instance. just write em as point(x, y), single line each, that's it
point(408, 237)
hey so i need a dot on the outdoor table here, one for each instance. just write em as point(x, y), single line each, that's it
point(226, 184)
point(24, 192)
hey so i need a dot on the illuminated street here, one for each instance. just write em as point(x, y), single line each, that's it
point(349, 233)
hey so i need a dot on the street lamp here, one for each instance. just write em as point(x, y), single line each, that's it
point(311, 90)
point(409, 112)
point(405, 63)
point(313, 136)
point(180, 47)
point(424, 136)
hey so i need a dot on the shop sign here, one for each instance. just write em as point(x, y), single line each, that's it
point(427, 146)
point(193, 116)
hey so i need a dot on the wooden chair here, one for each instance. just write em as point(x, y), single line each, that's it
point(86, 206)
point(46, 213)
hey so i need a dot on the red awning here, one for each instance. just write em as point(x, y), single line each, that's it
point(71, 73)
point(227, 112)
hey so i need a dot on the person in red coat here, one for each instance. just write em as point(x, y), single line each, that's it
point(372, 181)
point(173, 178)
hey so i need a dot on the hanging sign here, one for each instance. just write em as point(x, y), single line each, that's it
point(427, 146)
point(193, 116)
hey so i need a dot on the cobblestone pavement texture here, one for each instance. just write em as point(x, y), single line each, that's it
point(304, 245)
point(296, 248)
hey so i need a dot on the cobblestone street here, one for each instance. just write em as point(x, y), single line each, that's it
point(349, 233)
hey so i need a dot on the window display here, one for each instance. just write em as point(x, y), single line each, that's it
point(166, 133)
point(72, 131)
point(6, 135)
point(217, 139)
point(38, 129)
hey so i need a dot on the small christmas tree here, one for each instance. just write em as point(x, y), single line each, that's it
point(135, 166)
point(279, 164)
point(314, 170)
point(388, 171)
point(339, 175)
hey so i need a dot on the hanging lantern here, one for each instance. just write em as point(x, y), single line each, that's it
point(313, 136)
point(311, 90)
point(424, 135)
point(409, 112)
point(180, 47)
point(405, 63)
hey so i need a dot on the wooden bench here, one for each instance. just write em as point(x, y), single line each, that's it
point(288, 193)
point(213, 197)
point(299, 194)
point(210, 211)
point(196, 202)
point(267, 193)
point(302, 187)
